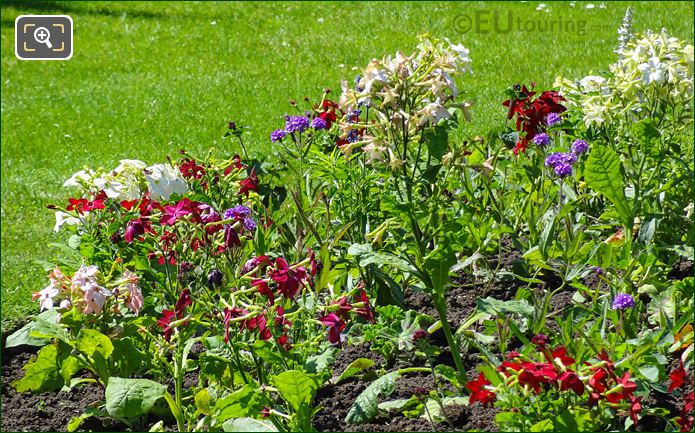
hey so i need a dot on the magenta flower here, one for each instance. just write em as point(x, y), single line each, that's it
point(172, 213)
point(335, 327)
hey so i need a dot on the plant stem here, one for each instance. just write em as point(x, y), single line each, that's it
point(440, 305)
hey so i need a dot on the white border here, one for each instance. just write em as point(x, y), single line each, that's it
point(72, 39)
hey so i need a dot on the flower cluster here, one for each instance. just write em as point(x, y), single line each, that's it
point(562, 162)
point(88, 291)
point(533, 114)
point(623, 301)
point(335, 321)
point(402, 95)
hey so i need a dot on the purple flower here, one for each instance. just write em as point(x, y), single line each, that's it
point(557, 158)
point(552, 119)
point(296, 123)
point(597, 270)
point(238, 212)
point(541, 139)
point(623, 301)
point(563, 170)
point(277, 135)
point(214, 278)
point(579, 147)
point(319, 123)
point(249, 224)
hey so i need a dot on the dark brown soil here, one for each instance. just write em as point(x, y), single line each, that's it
point(50, 411)
point(681, 269)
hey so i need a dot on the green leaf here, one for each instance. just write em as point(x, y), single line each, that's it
point(132, 398)
point(241, 403)
point(69, 367)
point(651, 372)
point(603, 175)
point(42, 373)
point(365, 407)
point(502, 308)
point(203, 401)
point(437, 140)
point(321, 362)
point(434, 409)
point(248, 425)
point(23, 335)
point(296, 387)
point(399, 405)
point(90, 341)
point(543, 426)
point(355, 367)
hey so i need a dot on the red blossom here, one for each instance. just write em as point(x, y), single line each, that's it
point(561, 353)
point(534, 374)
point(677, 376)
point(191, 169)
point(235, 165)
point(172, 213)
point(540, 340)
point(686, 419)
point(165, 323)
point(264, 289)
point(570, 380)
point(365, 311)
point(635, 408)
point(335, 324)
point(288, 280)
point(479, 391)
point(249, 184)
point(183, 302)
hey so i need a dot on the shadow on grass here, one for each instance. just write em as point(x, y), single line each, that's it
point(62, 7)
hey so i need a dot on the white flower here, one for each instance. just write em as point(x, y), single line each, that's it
point(374, 152)
point(653, 71)
point(85, 276)
point(165, 180)
point(46, 296)
point(433, 112)
point(64, 304)
point(592, 83)
point(130, 165)
point(63, 218)
point(80, 178)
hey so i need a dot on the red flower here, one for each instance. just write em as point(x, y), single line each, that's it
point(190, 169)
point(344, 307)
point(635, 408)
point(165, 323)
point(313, 264)
point(677, 376)
point(506, 365)
point(235, 165)
point(134, 229)
point(570, 380)
point(530, 114)
point(335, 327)
point(561, 354)
point(520, 146)
point(540, 340)
point(263, 289)
point(598, 381)
point(249, 184)
point(628, 387)
point(536, 373)
point(287, 279)
point(183, 302)
point(686, 419)
point(479, 392)
point(365, 311)
point(328, 112)
point(228, 316)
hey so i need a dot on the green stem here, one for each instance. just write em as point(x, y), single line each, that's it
point(440, 305)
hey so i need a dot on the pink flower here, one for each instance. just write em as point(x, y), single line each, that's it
point(134, 298)
point(95, 295)
point(172, 213)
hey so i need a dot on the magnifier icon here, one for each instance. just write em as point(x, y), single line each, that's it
point(43, 36)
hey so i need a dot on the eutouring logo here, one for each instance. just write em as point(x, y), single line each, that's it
point(488, 22)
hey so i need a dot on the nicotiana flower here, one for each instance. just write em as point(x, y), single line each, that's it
point(134, 298)
point(579, 147)
point(541, 139)
point(277, 135)
point(623, 301)
point(165, 180)
point(63, 218)
point(296, 123)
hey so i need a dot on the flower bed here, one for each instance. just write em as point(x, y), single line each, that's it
point(381, 271)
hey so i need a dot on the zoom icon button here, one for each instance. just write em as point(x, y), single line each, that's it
point(43, 37)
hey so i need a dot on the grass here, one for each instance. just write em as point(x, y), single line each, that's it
point(147, 79)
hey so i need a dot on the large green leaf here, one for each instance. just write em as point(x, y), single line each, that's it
point(42, 373)
point(90, 341)
point(248, 425)
point(321, 362)
point(243, 402)
point(296, 387)
point(501, 308)
point(366, 404)
point(603, 175)
point(23, 335)
point(132, 398)
point(355, 367)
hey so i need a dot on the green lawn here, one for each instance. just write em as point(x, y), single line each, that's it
point(147, 79)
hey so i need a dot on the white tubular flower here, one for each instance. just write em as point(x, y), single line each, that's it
point(165, 180)
point(432, 112)
point(592, 83)
point(80, 179)
point(134, 298)
point(652, 71)
point(63, 218)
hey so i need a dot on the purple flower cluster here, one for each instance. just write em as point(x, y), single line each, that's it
point(277, 135)
point(319, 123)
point(623, 301)
point(296, 124)
point(552, 119)
point(579, 147)
point(561, 163)
point(541, 139)
point(243, 214)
